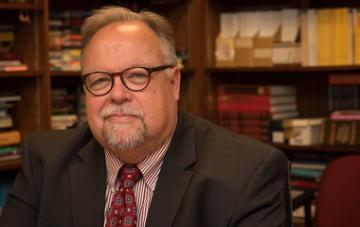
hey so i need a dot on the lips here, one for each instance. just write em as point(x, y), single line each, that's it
point(121, 118)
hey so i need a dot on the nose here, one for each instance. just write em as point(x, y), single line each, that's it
point(119, 93)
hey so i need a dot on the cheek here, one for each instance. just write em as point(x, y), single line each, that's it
point(93, 108)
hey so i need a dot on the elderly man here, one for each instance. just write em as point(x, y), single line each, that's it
point(139, 161)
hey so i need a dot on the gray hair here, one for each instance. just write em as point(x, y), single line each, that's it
point(112, 14)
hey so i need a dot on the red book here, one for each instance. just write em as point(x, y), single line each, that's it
point(256, 89)
point(246, 107)
point(344, 79)
point(345, 115)
point(304, 184)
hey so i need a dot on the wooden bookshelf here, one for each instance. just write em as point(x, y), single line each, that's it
point(312, 82)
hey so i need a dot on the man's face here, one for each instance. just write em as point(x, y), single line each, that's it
point(124, 121)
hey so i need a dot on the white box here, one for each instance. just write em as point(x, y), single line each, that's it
point(303, 132)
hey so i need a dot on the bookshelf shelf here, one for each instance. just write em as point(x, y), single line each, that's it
point(284, 69)
point(10, 165)
point(319, 149)
point(65, 73)
point(19, 74)
point(19, 5)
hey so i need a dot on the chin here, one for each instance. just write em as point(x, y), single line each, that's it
point(124, 137)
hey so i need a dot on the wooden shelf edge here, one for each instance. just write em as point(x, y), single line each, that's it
point(65, 73)
point(318, 148)
point(19, 5)
point(20, 74)
point(290, 68)
point(10, 165)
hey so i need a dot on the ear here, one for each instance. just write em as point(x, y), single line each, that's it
point(175, 82)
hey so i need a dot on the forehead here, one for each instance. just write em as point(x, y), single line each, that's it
point(124, 36)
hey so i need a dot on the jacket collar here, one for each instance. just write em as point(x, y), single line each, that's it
point(88, 185)
point(175, 175)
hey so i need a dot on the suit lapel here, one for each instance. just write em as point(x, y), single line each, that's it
point(174, 176)
point(87, 185)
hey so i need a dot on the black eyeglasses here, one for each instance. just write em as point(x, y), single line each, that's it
point(135, 79)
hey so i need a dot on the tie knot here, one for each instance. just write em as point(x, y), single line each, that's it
point(129, 174)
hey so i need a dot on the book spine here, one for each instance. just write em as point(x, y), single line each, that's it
point(242, 107)
point(9, 138)
point(344, 79)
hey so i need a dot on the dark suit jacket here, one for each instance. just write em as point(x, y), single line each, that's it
point(209, 178)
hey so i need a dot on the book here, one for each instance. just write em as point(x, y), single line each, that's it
point(10, 55)
point(345, 115)
point(10, 63)
point(309, 164)
point(11, 137)
point(257, 89)
point(340, 132)
point(343, 36)
point(8, 150)
point(356, 21)
point(344, 79)
point(9, 98)
point(325, 36)
point(10, 157)
point(312, 38)
point(6, 122)
point(14, 68)
point(343, 97)
point(306, 173)
point(304, 184)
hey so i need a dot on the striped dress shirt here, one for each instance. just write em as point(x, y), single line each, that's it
point(144, 188)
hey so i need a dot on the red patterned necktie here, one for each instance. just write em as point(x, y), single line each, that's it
point(123, 209)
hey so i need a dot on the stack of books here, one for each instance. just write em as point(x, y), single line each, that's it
point(343, 126)
point(10, 60)
point(63, 109)
point(306, 175)
point(9, 137)
point(65, 40)
point(249, 109)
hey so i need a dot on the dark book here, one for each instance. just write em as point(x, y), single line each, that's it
point(341, 132)
point(343, 97)
point(344, 79)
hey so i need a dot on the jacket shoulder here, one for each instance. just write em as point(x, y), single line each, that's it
point(59, 141)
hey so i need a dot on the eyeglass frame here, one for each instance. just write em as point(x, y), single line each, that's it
point(149, 70)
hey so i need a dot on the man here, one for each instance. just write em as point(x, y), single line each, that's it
point(140, 161)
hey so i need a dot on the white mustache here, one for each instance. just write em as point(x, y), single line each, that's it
point(120, 109)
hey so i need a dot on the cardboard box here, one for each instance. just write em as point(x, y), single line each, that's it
point(286, 54)
point(244, 52)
